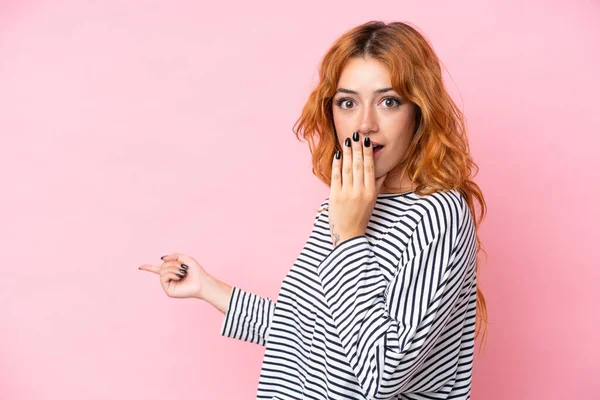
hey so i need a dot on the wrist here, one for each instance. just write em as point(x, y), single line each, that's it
point(346, 237)
point(207, 289)
point(216, 293)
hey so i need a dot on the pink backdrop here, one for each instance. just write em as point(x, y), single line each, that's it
point(132, 130)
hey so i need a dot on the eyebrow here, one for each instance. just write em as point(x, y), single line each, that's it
point(342, 90)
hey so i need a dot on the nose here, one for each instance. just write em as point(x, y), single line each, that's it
point(368, 121)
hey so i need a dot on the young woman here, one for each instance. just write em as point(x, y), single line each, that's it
point(382, 301)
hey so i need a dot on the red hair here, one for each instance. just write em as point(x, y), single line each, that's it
point(438, 158)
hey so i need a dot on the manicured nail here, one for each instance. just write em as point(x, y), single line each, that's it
point(347, 142)
point(338, 154)
point(182, 271)
point(367, 142)
point(355, 136)
point(163, 257)
point(181, 276)
point(184, 266)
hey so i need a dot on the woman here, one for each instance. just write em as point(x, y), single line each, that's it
point(381, 302)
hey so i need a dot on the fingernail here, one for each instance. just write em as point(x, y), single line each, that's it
point(184, 266)
point(163, 257)
point(181, 276)
point(367, 142)
point(338, 154)
point(347, 142)
point(355, 136)
point(182, 271)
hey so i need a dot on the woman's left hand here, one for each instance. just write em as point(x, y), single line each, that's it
point(354, 191)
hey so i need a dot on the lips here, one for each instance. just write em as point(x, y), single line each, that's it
point(377, 150)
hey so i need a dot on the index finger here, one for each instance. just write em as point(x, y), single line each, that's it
point(151, 268)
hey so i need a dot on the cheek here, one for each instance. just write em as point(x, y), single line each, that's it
point(339, 129)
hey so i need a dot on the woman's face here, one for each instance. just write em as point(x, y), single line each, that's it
point(365, 102)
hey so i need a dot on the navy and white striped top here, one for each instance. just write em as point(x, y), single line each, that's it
point(385, 315)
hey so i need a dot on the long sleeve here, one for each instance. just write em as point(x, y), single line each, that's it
point(387, 328)
point(248, 317)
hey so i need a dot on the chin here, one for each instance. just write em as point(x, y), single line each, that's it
point(379, 172)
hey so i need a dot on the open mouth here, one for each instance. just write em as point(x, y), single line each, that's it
point(377, 148)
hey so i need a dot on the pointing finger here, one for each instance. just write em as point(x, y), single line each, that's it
point(150, 267)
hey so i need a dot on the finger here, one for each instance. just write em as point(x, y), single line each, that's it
point(347, 165)
point(177, 270)
point(358, 180)
point(175, 264)
point(170, 257)
point(170, 271)
point(151, 268)
point(369, 166)
point(169, 276)
point(157, 268)
point(336, 173)
point(182, 258)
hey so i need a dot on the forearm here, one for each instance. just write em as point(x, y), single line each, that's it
point(216, 293)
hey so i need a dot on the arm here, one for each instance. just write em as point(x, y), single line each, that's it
point(247, 316)
point(388, 328)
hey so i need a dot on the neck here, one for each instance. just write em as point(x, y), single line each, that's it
point(391, 182)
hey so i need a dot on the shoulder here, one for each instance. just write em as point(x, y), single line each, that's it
point(442, 207)
point(434, 216)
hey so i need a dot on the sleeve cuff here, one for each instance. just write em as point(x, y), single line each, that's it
point(229, 321)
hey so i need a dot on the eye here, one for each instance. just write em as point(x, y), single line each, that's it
point(341, 101)
point(345, 100)
point(392, 99)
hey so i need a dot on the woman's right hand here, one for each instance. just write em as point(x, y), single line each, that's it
point(193, 276)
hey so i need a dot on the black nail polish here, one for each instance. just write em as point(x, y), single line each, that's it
point(347, 142)
point(184, 266)
point(163, 257)
point(355, 136)
point(338, 154)
point(181, 276)
point(367, 142)
point(182, 271)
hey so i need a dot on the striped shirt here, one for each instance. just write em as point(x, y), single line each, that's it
point(386, 315)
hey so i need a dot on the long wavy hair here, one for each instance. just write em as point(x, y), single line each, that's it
point(438, 158)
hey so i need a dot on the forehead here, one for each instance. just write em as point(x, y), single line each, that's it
point(364, 74)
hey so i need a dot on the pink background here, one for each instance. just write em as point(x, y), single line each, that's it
point(135, 129)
